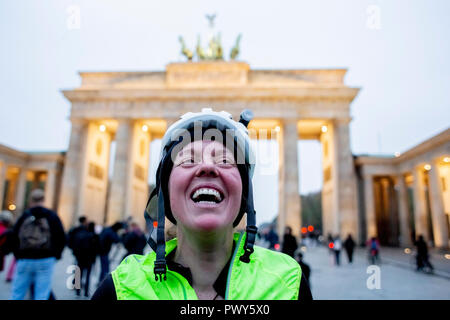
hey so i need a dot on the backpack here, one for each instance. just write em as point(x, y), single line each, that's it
point(374, 245)
point(34, 234)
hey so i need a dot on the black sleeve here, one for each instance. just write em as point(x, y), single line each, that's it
point(106, 291)
point(305, 291)
point(14, 240)
point(58, 235)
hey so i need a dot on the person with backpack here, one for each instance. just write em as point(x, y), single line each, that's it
point(38, 240)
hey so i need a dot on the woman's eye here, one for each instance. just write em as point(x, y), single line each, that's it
point(226, 161)
point(186, 161)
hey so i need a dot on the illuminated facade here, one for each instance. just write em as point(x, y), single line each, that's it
point(132, 109)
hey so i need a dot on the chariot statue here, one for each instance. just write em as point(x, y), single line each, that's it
point(214, 51)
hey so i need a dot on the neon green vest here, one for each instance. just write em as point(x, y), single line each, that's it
point(270, 275)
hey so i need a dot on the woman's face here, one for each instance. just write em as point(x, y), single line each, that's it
point(205, 187)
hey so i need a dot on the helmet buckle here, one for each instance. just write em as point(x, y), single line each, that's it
point(160, 270)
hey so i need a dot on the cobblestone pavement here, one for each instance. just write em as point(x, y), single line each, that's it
point(398, 279)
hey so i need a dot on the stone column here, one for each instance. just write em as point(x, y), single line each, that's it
point(118, 196)
point(50, 188)
point(20, 190)
point(420, 205)
point(439, 221)
point(70, 185)
point(137, 178)
point(346, 180)
point(288, 196)
point(2, 182)
point(371, 222)
point(405, 229)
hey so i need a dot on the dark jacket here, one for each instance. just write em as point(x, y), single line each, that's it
point(72, 236)
point(107, 237)
point(4, 243)
point(57, 235)
point(84, 245)
point(422, 249)
point(306, 271)
point(289, 244)
point(349, 244)
point(134, 242)
point(272, 238)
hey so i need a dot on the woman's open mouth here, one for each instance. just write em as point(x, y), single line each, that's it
point(207, 196)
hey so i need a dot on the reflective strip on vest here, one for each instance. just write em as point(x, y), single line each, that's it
point(270, 275)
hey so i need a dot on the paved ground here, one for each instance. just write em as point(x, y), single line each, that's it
point(398, 279)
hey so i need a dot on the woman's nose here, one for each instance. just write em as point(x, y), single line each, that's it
point(207, 169)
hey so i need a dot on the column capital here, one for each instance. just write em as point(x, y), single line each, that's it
point(366, 175)
point(399, 179)
point(78, 121)
point(342, 121)
point(127, 120)
point(289, 121)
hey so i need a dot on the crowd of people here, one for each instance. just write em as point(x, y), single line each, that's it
point(86, 245)
point(37, 240)
point(36, 249)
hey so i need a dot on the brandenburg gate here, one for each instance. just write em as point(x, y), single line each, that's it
point(134, 108)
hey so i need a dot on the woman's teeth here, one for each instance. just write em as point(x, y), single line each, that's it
point(206, 195)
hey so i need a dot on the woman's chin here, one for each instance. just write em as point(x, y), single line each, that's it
point(208, 223)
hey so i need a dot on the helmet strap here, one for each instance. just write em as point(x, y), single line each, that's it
point(251, 228)
point(160, 262)
point(149, 221)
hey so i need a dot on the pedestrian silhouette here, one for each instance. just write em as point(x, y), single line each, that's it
point(38, 241)
point(134, 240)
point(107, 237)
point(422, 257)
point(337, 249)
point(85, 246)
point(272, 237)
point(289, 242)
point(306, 270)
point(374, 250)
point(349, 246)
point(6, 218)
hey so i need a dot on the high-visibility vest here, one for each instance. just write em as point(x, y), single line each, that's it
point(269, 275)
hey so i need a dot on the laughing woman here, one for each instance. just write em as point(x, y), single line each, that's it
point(204, 187)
